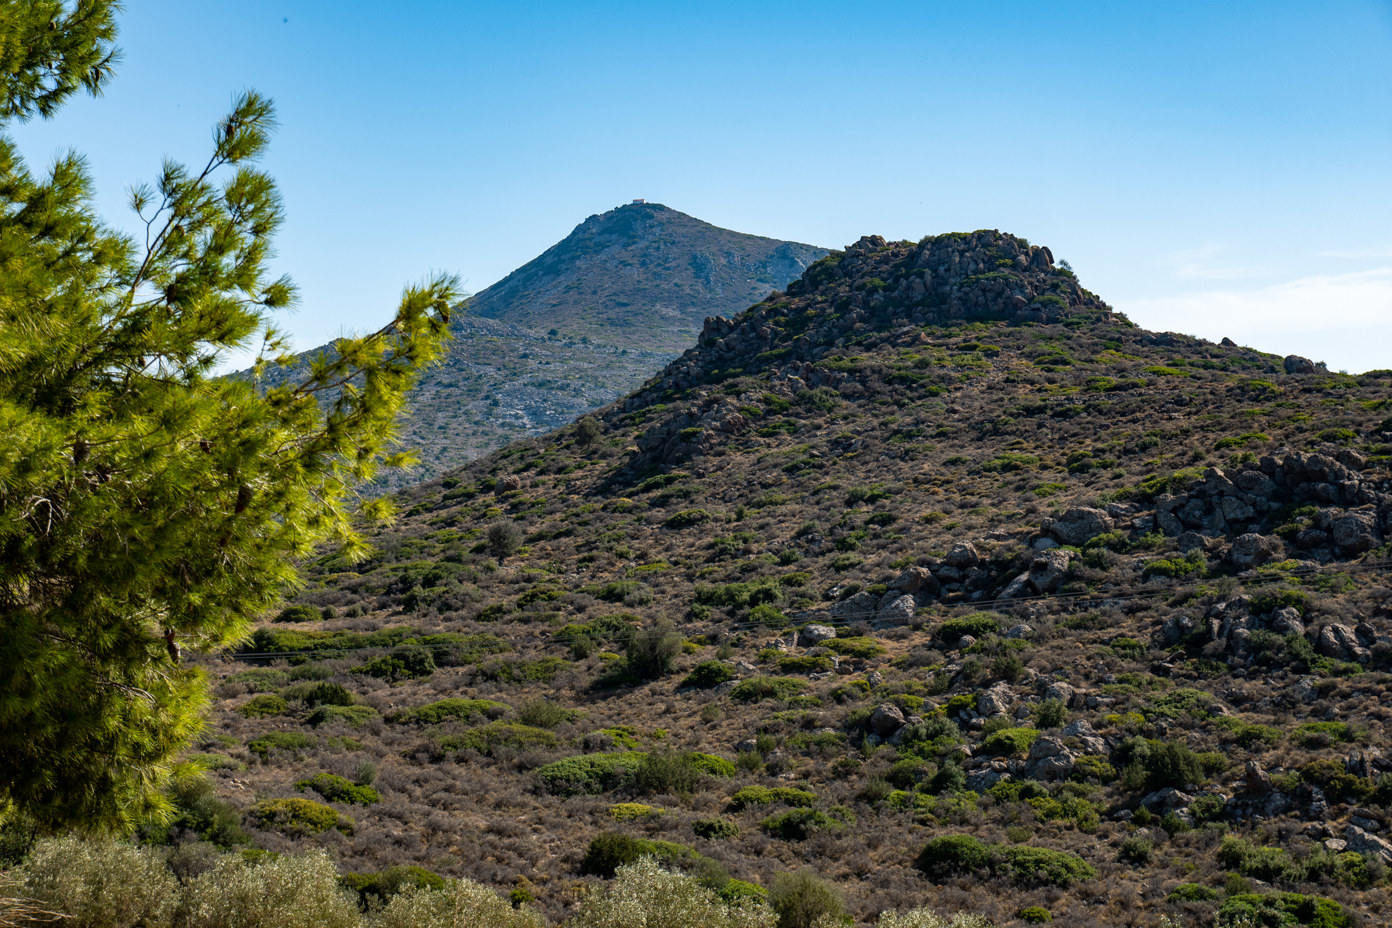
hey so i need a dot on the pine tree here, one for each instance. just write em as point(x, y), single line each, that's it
point(147, 505)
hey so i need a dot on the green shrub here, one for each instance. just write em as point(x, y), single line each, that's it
point(457, 903)
point(1034, 914)
point(298, 817)
point(800, 824)
point(802, 900)
point(630, 811)
point(1192, 892)
point(590, 773)
point(385, 884)
point(708, 674)
point(286, 741)
point(1275, 910)
point(263, 705)
point(199, 809)
point(687, 518)
point(299, 614)
point(666, 772)
point(500, 739)
point(354, 716)
point(464, 710)
point(260, 679)
point(608, 851)
point(1137, 851)
point(1010, 741)
point(319, 693)
point(643, 895)
point(765, 795)
point(757, 688)
point(715, 828)
point(1051, 713)
point(215, 762)
point(99, 883)
point(1178, 567)
point(1022, 864)
point(976, 625)
point(804, 663)
point(407, 662)
point(339, 789)
point(652, 652)
point(274, 892)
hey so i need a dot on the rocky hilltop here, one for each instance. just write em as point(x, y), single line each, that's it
point(928, 571)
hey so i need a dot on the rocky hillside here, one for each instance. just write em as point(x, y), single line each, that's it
point(929, 572)
point(582, 325)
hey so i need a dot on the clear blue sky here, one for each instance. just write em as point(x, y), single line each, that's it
point(1213, 168)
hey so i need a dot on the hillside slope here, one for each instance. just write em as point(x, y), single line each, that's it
point(968, 593)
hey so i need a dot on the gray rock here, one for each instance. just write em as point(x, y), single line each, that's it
point(1337, 845)
point(1063, 692)
point(1257, 779)
point(1235, 510)
point(1295, 364)
point(966, 641)
point(1287, 621)
point(916, 581)
point(1078, 525)
point(1165, 800)
point(748, 744)
point(1341, 643)
point(1048, 570)
point(886, 719)
point(862, 605)
point(1253, 550)
point(1360, 842)
point(814, 634)
point(963, 556)
point(1050, 759)
point(1175, 629)
point(1086, 736)
point(995, 701)
point(1020, 631)
point(899, 612)
point(1356, 532)
point(1017, 588)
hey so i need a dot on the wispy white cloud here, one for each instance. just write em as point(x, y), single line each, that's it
point(1344, 320)
point(1358, 254)
point(1206, 263)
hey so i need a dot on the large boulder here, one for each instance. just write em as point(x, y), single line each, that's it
point(1048, 570)
point(1050, 759)
point(862, 605)
point(963, 556)
point(995, 701)
point(898, 611)
point(886, 720)
point(1360, 842)
point(1086, 736)
point(1287, 621)
point(916, 581)
point(815, 634)
point(1341, 643)
point(1356, 532)
point(1078, 525)
point(1295, 364)
point(1253, 550)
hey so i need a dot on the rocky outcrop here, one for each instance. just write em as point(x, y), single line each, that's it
point(1078, 526)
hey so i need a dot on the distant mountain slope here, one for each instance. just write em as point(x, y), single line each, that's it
point(643, 275)
point(582, 325)
point(969, 592)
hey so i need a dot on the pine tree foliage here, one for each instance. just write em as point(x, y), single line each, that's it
point(147, 505)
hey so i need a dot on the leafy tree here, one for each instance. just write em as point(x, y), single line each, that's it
point(147, 505)
point(504, 538)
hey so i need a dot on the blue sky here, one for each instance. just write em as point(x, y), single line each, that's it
point(1218, 169)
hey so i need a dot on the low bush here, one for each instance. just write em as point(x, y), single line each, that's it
point(708, 674)
point(715, 828)
point(1009, 741)
point(263, 705)
point(803, 900)
point(353, 716)
point(976, 625)
point(643, 895)
point(800, 824)
point(287, 741)
point(464, 710)
point(319, 693)
point(454, 904)
point(590, 774)
point(757, 688)
point(274, 892)
point(98, 882)
point(1022, 864)
point(500, 739)
point(380, 887)
point(297, 817)
point(339, 789)
point(1281, 909)
point(766, 795)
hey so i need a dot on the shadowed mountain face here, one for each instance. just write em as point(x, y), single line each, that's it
point(929, 572)
point(643, 276)
point(582, 325)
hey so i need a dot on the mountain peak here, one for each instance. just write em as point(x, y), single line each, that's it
point(642, 275)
